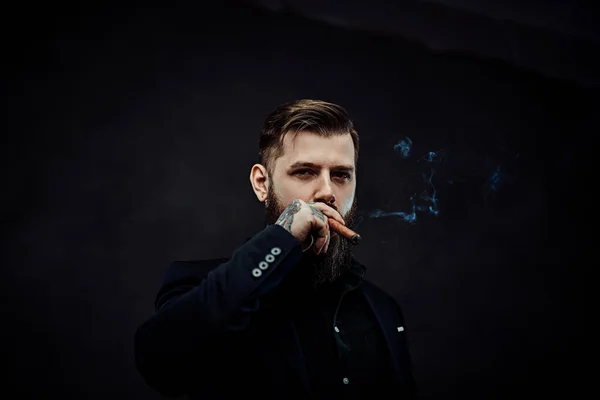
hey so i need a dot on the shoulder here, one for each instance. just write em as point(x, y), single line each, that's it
point(376, 295)
point(376, 292)
point(381, 298)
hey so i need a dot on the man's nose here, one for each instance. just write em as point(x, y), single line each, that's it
point(325, 193)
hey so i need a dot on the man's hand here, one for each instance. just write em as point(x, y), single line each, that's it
point(304, 219)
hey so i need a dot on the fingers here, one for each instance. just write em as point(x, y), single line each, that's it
point(328, 211)
point(322, 213)
point(323, 249)
point(321, 238)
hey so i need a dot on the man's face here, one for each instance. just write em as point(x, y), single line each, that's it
point(314, 168)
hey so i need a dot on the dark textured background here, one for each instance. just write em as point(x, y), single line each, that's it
point(128, 141)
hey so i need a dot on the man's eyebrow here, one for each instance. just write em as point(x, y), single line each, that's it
point(306, 164)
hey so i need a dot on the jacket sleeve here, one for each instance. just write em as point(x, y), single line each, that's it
point(191, 313)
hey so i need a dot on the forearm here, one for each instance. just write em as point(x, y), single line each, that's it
point(177, 335)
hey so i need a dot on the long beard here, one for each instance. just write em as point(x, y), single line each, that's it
point(322, 268)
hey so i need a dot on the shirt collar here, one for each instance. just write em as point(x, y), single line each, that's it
point(355, 275)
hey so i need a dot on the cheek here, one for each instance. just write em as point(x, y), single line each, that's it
point(284, 197)
point(346, 206)
point(286, 192)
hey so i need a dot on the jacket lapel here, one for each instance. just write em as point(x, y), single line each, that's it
point(387, 320)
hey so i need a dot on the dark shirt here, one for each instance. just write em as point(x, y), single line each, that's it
point(342, 343)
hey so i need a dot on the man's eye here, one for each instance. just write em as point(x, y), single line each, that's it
point(303, 172)
point(343, 175)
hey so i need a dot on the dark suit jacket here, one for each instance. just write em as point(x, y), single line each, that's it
point(217, 331)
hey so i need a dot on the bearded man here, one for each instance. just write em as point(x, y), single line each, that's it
point(290, 314)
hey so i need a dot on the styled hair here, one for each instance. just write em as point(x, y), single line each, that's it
point(315, 116)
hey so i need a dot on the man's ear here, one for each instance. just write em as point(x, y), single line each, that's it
point(259, 181)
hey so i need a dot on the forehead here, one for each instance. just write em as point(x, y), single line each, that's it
point(310, 147)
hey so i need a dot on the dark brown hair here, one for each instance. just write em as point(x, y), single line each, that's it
point(316, 116)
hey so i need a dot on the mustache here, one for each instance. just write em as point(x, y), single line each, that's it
point(329, 205)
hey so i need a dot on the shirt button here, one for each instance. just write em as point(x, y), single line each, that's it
point(335, 328)
point(276, 251)
point(346, 381)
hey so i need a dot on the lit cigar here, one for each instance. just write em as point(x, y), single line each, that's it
point(343, 230)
